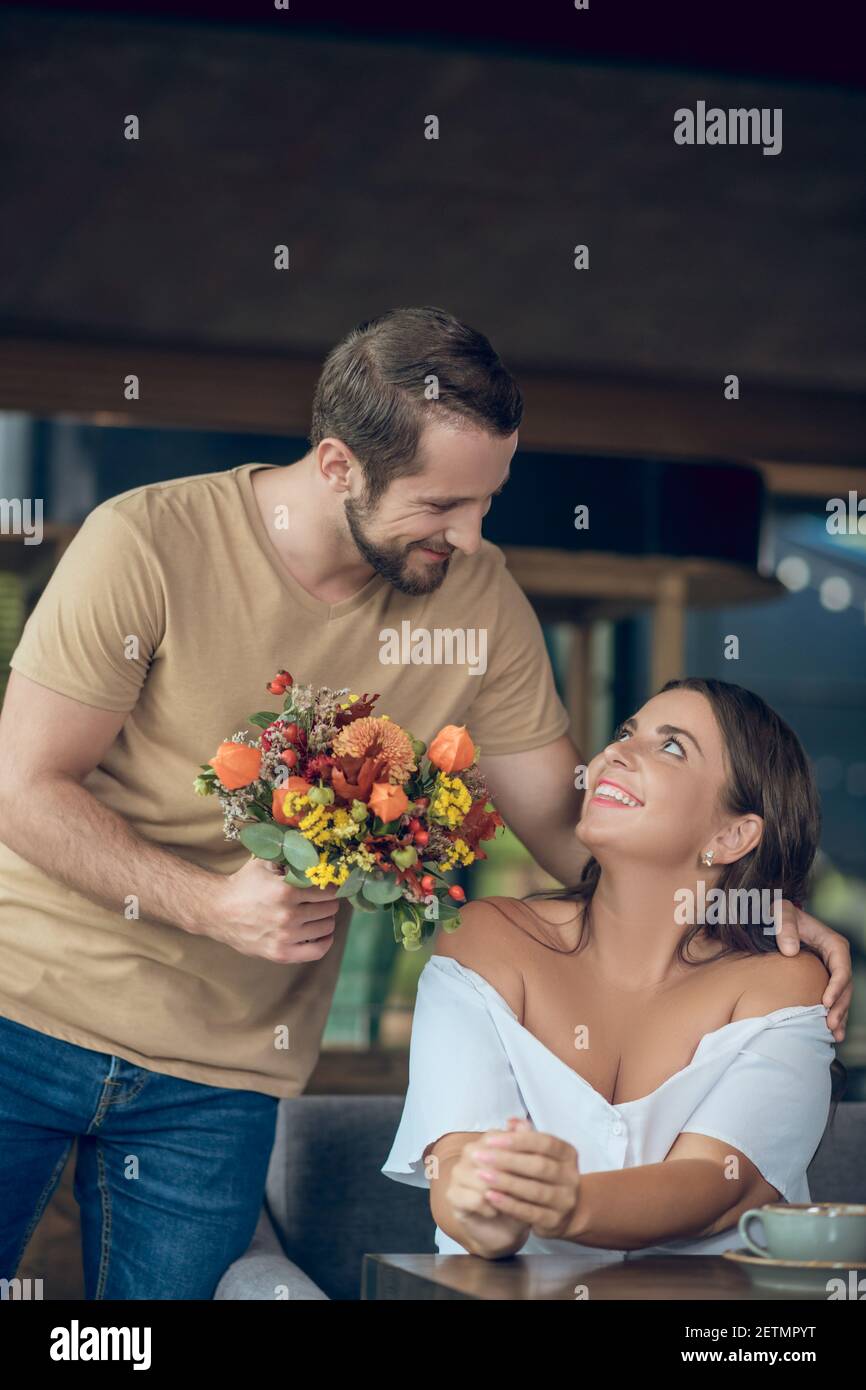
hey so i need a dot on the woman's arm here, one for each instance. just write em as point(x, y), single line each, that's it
point(456, 1200)
point(701, 1187)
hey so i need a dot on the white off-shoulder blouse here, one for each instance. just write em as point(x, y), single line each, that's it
point(761, 1085)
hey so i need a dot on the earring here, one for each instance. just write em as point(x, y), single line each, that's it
point(707, 856)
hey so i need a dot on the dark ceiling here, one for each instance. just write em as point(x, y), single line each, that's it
point(770, 38)
point(703, 261)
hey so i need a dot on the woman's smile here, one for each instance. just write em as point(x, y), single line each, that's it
point(609, 793)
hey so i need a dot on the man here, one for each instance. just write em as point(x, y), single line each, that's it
point(150, 971)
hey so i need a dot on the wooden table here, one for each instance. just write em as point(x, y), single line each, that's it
point(592, 1278)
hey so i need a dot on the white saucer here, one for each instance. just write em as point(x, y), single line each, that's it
point(744, 1256)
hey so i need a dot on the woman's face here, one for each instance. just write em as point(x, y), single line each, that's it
point(654, 791)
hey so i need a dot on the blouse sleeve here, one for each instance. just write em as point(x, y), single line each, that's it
point(773, 1101)
point(459, 1074)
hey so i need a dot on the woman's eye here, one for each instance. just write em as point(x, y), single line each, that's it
point(620, 735)
point(677, 745)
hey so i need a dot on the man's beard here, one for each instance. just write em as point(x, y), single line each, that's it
point(390, 561)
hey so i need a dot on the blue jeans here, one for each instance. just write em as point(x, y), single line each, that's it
point(169, 1176)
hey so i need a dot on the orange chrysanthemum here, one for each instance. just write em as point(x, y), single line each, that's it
point(378, 739)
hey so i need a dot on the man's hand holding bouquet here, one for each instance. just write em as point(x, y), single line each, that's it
point(332, 794)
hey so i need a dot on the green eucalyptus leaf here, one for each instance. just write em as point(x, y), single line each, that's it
point(360, 905)
point(382, 890)
point(264, 841)
point(300, 853)
point(353, 883)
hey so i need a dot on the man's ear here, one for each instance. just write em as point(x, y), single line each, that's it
point(336, 465)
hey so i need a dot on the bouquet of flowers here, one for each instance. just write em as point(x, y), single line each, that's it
point(334, 794)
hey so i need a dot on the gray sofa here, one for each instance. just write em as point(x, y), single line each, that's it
point(327, 1204)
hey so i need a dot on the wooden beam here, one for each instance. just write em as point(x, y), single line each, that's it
point(813, 479)
point(596, 582)
point(271, 393)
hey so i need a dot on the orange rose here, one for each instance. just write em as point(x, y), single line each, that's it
point(387, 801)
point(236, 764)
point(292, 784)
point(452, 749)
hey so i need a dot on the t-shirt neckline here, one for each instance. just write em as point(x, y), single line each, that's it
point(326, 611)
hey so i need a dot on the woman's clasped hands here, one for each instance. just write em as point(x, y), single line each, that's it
point(530, 1180)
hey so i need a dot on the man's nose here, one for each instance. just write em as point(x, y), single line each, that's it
point(465, 535)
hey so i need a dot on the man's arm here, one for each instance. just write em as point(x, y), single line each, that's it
point(796, 926)
point(535, 794)
point(48, 744)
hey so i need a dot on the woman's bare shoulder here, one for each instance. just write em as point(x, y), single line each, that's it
point(772, 981)
point(498, 935)
point(487, 941)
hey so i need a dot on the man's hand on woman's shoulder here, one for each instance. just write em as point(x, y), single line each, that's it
point(796, 926)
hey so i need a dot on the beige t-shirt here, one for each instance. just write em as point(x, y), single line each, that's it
point(188, 568)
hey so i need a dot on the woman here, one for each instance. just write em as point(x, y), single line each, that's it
point(631, 1064)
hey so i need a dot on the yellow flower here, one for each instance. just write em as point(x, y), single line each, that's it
point(458, 853)
point(323, 873)
point(344, 827)
point(328, 825)
point(451, 802)
point(294, 803)
point(360, 856)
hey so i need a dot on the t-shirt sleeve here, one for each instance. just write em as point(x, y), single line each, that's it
point(460, 1078)
point(99, 619)
point(517, 706)
point(773, 1101)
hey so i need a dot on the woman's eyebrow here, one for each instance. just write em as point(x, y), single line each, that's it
point(631, 725)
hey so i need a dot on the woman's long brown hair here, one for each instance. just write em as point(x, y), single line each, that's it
point(769, 776)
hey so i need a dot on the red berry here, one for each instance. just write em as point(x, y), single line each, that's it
point(428, 883)
point(414, 823)
point(289, 757)
point(286, 678)
point(456, 892)
point(291, 732)
point(421, 838)
point(422, 802)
